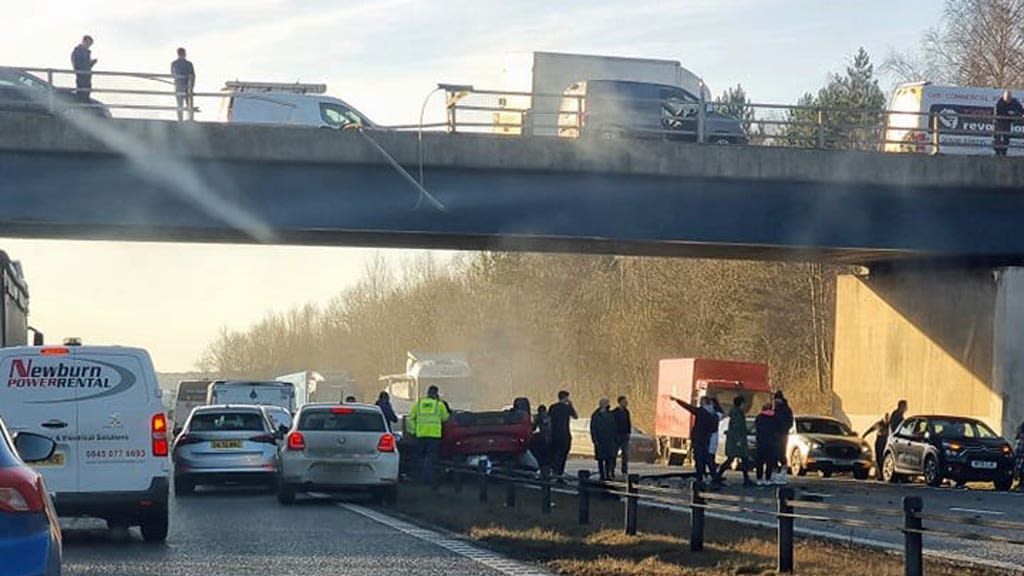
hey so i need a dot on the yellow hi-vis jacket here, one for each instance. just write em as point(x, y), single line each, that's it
point(426, 417)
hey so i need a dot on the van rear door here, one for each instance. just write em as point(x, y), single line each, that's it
point(117, 402)
point(36, 398)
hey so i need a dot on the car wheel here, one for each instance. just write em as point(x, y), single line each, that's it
point(721, 140)
point(826, 473)
point(1003, 483)
point(889, 469)
point(796, 464)
point(932, 474)
point(154, 525)
point(286, 494)
point(861, 474)
point(183, 487)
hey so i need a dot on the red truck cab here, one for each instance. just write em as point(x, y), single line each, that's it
point(693, 379)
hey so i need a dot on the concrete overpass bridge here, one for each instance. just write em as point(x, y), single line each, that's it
point(939, 319)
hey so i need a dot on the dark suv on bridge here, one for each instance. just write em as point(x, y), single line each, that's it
point(940, 447)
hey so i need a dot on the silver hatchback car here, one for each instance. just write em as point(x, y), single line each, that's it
point(338, 448)
point(225, 444)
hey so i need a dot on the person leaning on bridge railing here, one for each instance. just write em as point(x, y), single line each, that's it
point(184, 84)
point(1007, 108)
point(82, 62)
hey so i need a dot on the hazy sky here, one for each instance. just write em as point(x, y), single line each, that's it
point(382, 56)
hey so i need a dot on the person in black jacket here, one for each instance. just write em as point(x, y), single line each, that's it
point(623, 430)
point(897, 416)
point(603, 435)
point(82, 62)
point(1007, 110)
point(384, 403)
point(765, 429)
point(561, 438)
point(705, 424)
point(783, 422)
point(881, 430)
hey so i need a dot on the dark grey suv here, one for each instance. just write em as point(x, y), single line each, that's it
point(616, 108)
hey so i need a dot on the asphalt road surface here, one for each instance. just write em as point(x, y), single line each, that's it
point(976, 502)
point(238, 532)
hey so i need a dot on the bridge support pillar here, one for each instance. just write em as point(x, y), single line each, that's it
point(948, 341)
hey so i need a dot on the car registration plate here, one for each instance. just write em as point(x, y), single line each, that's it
point(57, 459)
point(982, 464)
point(226, 444)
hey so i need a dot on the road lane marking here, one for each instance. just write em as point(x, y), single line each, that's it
point(493, 560)
point(976, 511)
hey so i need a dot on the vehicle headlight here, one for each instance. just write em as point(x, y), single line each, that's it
point(812, 446)
point(865, 449)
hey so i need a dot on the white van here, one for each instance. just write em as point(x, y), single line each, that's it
point(281, 103)
point(267, 393)
point(103, 407)
point(964, 116)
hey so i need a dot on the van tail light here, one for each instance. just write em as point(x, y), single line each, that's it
point(21, 490)
point(296, 441)
point(386, 443)
point(158, 427)
point(264, 439)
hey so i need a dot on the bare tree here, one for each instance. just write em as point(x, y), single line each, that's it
point(978, 43)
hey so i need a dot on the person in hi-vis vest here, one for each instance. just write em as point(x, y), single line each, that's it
point(424, 422)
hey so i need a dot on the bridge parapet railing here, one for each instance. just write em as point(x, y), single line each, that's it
point(127, 94)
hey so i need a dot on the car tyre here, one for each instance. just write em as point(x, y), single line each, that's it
point(826, 473)
point(1003, 483)
point(796, 464)
point(183, 487)
point(861, 474)
point(889, 469)
point(286, 494)
point(932, 474)
point(154, 525)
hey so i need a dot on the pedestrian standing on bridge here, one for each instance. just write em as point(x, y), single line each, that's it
point(561, 438)
point(881, 430)
point(184, 84)
point(603, 434)
point(736, 449)
point(623, 431)
point(82, 62)
point(1007, 110)
point(425, 420)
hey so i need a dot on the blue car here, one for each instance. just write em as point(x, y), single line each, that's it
point(29, 532)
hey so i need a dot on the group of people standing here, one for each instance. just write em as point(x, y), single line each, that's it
point(182, 70)
point(772, 427)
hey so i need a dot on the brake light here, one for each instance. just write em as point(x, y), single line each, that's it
point(296, 441)
point(159, 430)
point(386, 443)
point(21, 490)
point(342, 410)
point(54, 351)
point(264, 439)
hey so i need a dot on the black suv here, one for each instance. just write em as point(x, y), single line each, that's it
point(940, 447)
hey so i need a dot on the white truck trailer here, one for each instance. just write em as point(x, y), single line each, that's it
point(305, 383)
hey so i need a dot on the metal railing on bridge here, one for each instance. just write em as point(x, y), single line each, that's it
point(525, 114)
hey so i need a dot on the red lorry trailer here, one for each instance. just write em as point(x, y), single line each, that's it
point(692, 379)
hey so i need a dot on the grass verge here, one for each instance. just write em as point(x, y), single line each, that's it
point(661, 548)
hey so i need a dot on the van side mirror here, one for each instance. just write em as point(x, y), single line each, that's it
point(34, 447)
